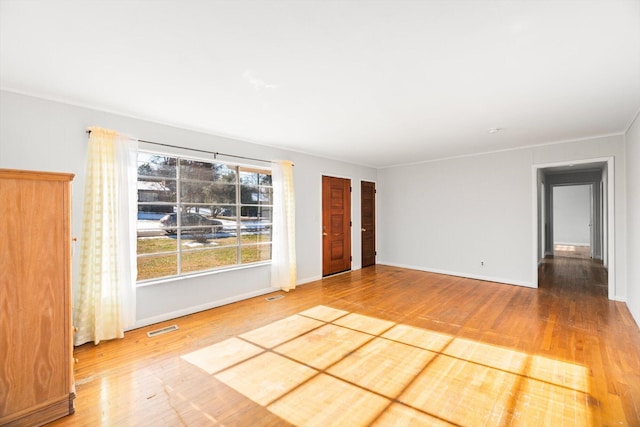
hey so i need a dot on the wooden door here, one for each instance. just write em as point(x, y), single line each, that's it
point(368, 222)
point(336, 225)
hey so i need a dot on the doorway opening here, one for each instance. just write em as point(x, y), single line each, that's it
point(574, 215)
point(573, 220)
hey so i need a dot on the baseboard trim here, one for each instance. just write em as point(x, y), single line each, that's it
point(465, 275)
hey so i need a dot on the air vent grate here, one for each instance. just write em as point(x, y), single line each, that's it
point(157, 332)
point(275, 297)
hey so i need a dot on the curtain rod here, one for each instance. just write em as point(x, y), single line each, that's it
point(215, 153)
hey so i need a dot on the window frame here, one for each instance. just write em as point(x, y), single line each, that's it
point(180, 207)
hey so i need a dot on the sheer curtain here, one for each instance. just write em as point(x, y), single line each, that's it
point(283, 255)
point(105, 302)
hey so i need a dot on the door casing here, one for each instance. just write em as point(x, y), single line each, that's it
point(608, 218)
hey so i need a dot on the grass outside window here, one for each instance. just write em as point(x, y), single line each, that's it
point(216, 253)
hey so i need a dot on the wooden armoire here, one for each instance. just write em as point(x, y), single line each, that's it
point(36, 349)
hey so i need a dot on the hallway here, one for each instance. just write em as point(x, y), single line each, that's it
point(581, 276)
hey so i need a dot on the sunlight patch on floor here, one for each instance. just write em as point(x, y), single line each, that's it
point(282, 330)
point(266, 377)
point(367, 324)
point(220, 356)
point(326, 367)
point(382, 366)
point(326, 314)
point(461, 392)
point(324, 346)
point(328, 401)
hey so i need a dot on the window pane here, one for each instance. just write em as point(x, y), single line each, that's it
point(154, 165)
point(197, 208)
point(255, 176)
point(202, 192)
point(169, 223)
point(151, 211)
point(152, 267)
point(262, 236)
point(256, 195)
point(255, 226)
point(227, 216)
point(196, 170)
point(150, 217)
point(253, 213)
point(248, 176)
point(266, 196)
point(225, 238)
point(200, 234)
point(154, 245)
point(265, 179)
point(265, 214)
point(224, 212)
point(255, 253)
point(156, 190)
point(194, 238)
point(208, 259)
point(208, 172)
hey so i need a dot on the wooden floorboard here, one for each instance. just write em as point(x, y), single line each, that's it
point(572, 251)
point(425, 348)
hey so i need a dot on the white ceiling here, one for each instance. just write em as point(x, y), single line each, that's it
point(370, 82)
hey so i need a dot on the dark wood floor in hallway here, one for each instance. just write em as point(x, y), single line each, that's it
point(378, 346)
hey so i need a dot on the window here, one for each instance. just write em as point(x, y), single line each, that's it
point(195, 215)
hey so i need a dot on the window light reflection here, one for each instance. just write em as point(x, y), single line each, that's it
point(326, 366)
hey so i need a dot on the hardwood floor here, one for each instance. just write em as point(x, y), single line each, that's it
point(572, 251)
point(458, 352)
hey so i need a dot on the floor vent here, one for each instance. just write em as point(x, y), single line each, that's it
point(171, 328)
point(275, 297)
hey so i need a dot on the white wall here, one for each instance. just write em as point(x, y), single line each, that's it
point(37, 134)
point(632, 138)
point(571, 214)
point(445, 216)
point(450, 215)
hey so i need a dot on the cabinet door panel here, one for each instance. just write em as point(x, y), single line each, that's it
point(35, 348)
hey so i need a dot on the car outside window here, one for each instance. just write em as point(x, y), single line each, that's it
point(196, 215)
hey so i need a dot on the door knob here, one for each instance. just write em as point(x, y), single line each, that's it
point(324, 234)
point(363, 229)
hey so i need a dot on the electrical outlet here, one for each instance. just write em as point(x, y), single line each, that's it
point(481, 263)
